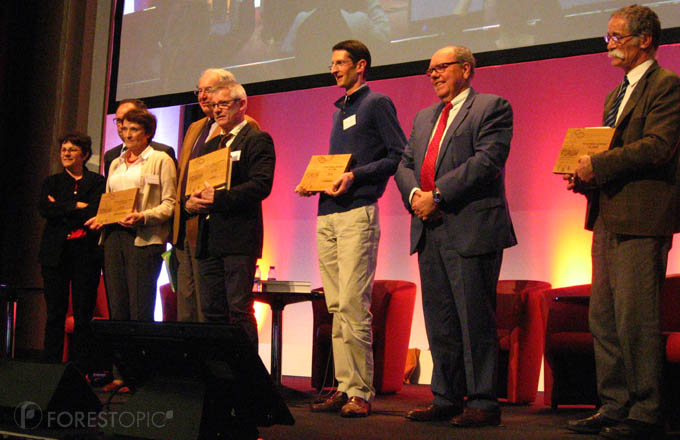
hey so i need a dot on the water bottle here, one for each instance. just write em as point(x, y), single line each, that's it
point(257, 285)
point(272, 273)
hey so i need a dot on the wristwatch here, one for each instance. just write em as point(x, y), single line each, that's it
point(436, 196)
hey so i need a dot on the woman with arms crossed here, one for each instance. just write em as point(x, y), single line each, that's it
point(70, 257)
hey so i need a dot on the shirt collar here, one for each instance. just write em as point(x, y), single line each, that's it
point(349, 99)
point(460, 98)
point(637, 72)
point(147, 152)
point(235, 131)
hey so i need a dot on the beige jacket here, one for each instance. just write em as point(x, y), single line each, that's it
point(158, 199)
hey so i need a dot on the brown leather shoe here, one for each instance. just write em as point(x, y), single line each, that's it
point(433, 412)
point(332, 404)
point(591, 425)
point(475, 417)
point(356, 407)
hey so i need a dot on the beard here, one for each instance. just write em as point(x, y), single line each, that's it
point(615, 53)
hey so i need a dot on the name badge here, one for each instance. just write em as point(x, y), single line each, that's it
point(152, 179)
point(236, 156)
point(349, 121)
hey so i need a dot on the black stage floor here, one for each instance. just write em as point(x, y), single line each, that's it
point(521, 422)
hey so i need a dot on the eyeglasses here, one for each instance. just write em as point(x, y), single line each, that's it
point(70, 150)
point(222, 105)
point(199, 90)
point(440, 68)
point(117, 121)
point(339, 64)
point(617, 38)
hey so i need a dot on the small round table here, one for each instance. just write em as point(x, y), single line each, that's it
point(277, 301)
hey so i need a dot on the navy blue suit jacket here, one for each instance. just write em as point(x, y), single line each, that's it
point(469, 174)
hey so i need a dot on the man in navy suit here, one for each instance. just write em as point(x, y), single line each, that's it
point(451, 180)
point(123, 107)
point(230, 226)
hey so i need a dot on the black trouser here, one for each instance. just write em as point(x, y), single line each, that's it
point(78, 272)
point(226, 289)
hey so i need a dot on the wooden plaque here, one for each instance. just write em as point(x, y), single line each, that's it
point(580, 142)
point(323, 170)
point(115, 206)
point(214, 168)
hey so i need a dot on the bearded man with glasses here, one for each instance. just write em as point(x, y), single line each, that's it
point(633, 210)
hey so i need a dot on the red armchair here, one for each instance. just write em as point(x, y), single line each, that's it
point(670, 325)
point(101, 311)
point(570, 363)
point(520, 318)
point(569, 373)
point(168, 302)
point(392, 309)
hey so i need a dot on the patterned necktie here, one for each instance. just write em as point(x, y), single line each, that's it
point(427, 170)
point(224, 138)
point(610, 120)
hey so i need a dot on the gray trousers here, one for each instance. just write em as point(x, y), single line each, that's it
point(628, 275)
point(131, 273)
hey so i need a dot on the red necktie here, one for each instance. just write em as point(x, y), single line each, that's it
point(427, 170)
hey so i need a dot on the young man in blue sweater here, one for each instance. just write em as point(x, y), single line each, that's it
point(365, 125)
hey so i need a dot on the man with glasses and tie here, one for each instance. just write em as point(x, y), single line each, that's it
point(632, 191)
point(230, 227)
point(451, 178)
point(347, 230)
point(184, 227)
point(123, 107)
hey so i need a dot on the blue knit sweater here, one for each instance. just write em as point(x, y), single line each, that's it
point(376, 143)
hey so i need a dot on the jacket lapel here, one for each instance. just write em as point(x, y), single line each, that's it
point(427, 133)
point(460, 117)
point(238, 140)
point(637, 92)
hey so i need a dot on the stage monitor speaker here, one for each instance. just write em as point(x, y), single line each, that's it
point(49, 395)
point(191, 380)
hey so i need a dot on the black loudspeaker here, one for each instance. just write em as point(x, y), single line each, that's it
point(47, 395)
point(190, 381)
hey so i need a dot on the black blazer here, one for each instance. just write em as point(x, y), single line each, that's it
point(114, 152)
point(234, 225)
point(62, 215)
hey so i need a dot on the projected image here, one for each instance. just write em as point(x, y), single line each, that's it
point(165, 45)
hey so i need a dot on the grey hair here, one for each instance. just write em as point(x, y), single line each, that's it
point(464, 55)
point(223, 74)
point(236, 90)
